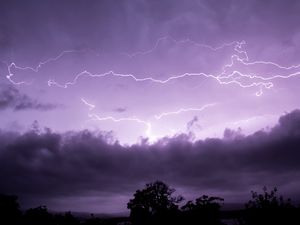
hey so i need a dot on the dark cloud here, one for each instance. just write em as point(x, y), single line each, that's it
point(193, 123)
point(10, 97)
point(49, 165)
point(98, 25)
point(120, 109)
point(233, 134)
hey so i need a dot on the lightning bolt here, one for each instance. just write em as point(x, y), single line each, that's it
point(223, 78)
point(253, 118)
point(36, 69)
point(220, 79)
point(95, 117)
point(235, 77)
point(237, 48)
point(178, 42)
point(182, 110)
point(148, 125)
point(91, 106)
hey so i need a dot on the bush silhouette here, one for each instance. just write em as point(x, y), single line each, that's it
point(38, 215)
point(205, 210)
point(269, 208)
point(66, 219)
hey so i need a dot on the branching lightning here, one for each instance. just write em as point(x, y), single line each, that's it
point(95, 117)
point(220, 79)
point(182, 110)
point(33, 69)
point(178, 42)
point(223, 78)
point(148, 131)
point(236, 77)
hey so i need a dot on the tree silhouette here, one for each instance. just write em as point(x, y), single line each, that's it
point(66, 219)
point(10, 213)
point(38, 216)
point(268, 200)
point(157, 205)
point(205, 210)
point(269, 208)
point(154, 204)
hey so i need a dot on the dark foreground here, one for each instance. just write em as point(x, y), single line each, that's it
point(156, 205)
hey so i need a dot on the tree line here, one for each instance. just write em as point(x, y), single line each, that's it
point(156, 204)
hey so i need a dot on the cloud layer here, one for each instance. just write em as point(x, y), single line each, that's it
point(51, 166)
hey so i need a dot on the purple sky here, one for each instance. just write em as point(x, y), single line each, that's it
point(166, 89)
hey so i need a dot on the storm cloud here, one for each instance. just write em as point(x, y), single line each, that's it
point(12, 98)
point(121, 23)
point(49, 165)
point(168, 58)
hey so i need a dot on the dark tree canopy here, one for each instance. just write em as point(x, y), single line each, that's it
point(204, 203)
point(268, 200)
point(205, 210)
point(154, 202)
point(9, 210)
point(38, 215)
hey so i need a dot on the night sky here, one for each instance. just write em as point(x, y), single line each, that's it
point(98, 98)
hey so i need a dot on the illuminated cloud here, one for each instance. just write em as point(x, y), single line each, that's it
point(83, 163)
point(159, 75)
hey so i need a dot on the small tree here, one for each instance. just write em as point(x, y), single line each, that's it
point(153, 204)
point(268, 200)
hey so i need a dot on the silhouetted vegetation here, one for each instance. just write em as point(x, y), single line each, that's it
point(205, 210)
point(156, 204)
point(269, 208)
point(9, 210)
